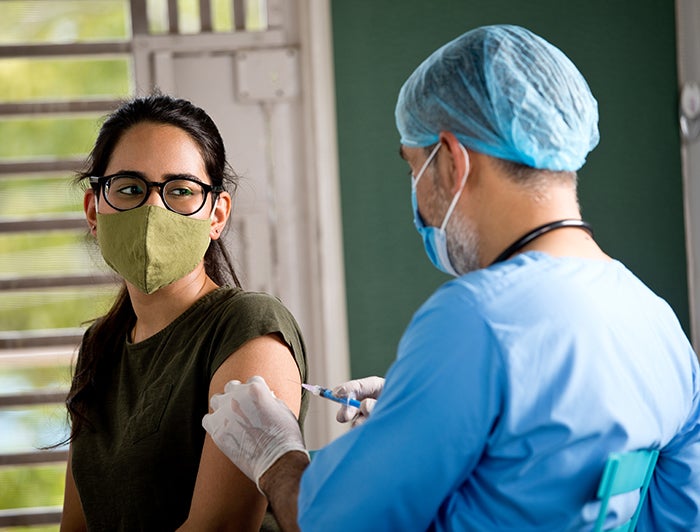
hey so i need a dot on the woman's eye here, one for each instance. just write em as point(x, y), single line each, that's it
point(180, 192)
point(130, 190)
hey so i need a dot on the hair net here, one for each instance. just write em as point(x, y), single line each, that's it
point(502, 91)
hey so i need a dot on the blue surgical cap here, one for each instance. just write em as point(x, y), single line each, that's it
point(502, 91)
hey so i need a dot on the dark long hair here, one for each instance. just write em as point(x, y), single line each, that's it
point(112, 328)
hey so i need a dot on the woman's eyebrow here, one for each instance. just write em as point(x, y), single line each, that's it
point(134, 173)
point(166, 177)
point(183, 176)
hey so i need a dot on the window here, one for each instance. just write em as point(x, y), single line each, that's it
point(64, 64)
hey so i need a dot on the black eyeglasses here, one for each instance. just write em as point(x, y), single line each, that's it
point(182, 195)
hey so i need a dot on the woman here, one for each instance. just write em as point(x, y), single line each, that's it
point(139, 458)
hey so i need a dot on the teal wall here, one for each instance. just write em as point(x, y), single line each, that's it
point(630, 189)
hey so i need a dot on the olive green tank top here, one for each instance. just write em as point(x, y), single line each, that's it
point(136, 463)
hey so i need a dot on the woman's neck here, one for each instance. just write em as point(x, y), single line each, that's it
point(156, 311)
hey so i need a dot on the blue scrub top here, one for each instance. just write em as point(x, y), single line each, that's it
point(511, 386)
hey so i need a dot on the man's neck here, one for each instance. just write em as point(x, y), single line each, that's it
point(508, 211)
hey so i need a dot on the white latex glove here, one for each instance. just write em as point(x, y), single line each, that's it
point(366, 391)
point(252, 427)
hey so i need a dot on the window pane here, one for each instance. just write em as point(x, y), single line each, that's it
point(25, 378)
point(256, 15)
point(157, 16)
point(47, 137)
point(27, 429)
point(48, 253)
point(33, 486)
point(58, 308)
point(32, 79)
point(222, 15)
point(61, 21)
point(40, 194)
point(188, 13)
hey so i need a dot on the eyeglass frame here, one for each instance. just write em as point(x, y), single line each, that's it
point(98, 185)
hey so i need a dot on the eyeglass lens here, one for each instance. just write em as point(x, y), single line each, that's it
point(179, 195)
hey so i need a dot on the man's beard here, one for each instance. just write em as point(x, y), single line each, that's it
point(462, 238)
point(462, 244)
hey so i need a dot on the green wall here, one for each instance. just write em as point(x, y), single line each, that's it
point(630, 189)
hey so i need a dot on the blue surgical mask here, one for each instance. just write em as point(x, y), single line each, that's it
point(435, 238)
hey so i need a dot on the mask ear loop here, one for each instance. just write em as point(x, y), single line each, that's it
point(213, 208)
point(459, 192)
point(426, 163)
point(96, 197)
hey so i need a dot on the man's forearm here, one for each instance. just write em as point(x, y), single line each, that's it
point(280, 483)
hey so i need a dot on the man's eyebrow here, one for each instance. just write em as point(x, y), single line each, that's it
point(402, 154)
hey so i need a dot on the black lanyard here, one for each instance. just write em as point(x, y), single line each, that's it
point(538, 232)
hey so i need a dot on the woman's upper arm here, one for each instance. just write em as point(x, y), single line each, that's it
point(72, 518)
point(224, 498)
point(269, 357)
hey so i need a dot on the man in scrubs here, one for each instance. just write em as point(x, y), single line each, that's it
point(515, 380)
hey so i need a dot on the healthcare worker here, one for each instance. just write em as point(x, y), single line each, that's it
point(515, 380)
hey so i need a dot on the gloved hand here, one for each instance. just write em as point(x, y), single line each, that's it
point(252, 427)
point(366, 391)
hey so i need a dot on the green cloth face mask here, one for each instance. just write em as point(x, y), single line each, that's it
point(152, 247)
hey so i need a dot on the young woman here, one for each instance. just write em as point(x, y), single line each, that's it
point(178, 331)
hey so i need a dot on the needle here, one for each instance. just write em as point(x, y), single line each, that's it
point(325, 392)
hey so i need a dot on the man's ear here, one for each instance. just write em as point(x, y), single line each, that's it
point(458, 161)
point(220, 215)
point(90, 208)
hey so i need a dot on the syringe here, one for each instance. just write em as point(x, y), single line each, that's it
point(325, 392)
